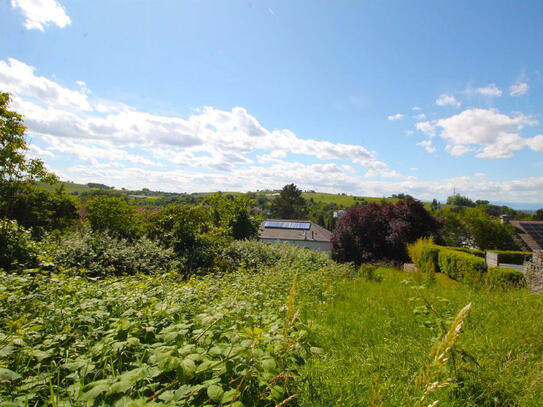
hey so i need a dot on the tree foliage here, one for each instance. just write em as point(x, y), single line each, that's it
point(233, 214)
point(459, 200)
point(380, 232)
point(473, 227)
point(190, 231)
point(289, 204)
point(20, 199)
point(115, 215)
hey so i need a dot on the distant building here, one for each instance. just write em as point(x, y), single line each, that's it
point(299, 233)
point(530, 232)
point(340, 214)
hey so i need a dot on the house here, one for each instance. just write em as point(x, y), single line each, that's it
point(530, 232)
point(299, 233)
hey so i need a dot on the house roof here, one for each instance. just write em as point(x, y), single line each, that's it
point(313, 232)
point(531, 232)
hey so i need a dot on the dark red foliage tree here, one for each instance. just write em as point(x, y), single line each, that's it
point(380, 232)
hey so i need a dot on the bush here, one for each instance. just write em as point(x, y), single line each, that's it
point(100, 254)
point(16, 245)
point(414, 250)
point(502, 277)
point(475, 252)
point(429, 258)
point(512, 256)
point(462, 267)
point(252, 254)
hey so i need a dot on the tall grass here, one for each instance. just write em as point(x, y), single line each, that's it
point(383, 332)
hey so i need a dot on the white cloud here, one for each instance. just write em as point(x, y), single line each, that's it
point(427, 144)
point(318, 177)
point(487, 132)
point(420, 116)
point(519, 89)
point(41, 13)
point(397, 116)
point(210, 138)
point(447, 100)
point(409, 132)
point(19, 78)
point(427, 128)
point(416, 108)
point(489, 90)
point(535, 143)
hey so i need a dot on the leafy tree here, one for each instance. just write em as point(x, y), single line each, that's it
point(190, 231)
point(360, 236)
point(380, 232)
point(538, 214)
point(20, 199)
point(234, 215)
point(459, 200)
point(486, 233)
point(289, 204)
point(39, 209)
point(115, 215)
point(474, 227)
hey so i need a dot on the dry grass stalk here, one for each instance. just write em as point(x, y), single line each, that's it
point(430, 378)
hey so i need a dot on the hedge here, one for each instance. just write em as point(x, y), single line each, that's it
point(475, 252)
point(429, 255)
point(461, 266)
point(503, 277)
point(511, 256)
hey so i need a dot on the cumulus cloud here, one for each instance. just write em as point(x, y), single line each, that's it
point(19, 78)
point(420, 116)
point(427, 144)
point(41, 13)
point(519, 89)
point(487, 132)
point(397, 116)
point(489, 90)
point(447, 100)
point(428, 128)
point(210, 138)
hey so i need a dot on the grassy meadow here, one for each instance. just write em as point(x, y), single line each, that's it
point(288, 328)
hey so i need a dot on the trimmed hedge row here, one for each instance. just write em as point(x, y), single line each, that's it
point(469, 266)
point(504, 277)
point(464, 267)
point(475, 252)
point(511, 256)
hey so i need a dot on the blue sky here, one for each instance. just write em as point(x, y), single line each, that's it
point(368, 98)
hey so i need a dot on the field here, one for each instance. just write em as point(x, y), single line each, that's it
point(298, 330)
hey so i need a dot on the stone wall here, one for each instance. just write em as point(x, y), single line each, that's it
point(492, 259)
point(534, 272)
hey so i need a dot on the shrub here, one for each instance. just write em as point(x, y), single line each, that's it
point(503, 277)
point(429, 258)
point(252, 254)
point(462, 267)
point(475, 252)
point(100, 254)
point(512, 256)
point(16, 245)
point(115, 215)
point(414, 250)
point(375, 232)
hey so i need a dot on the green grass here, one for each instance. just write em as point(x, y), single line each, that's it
point(383, 331)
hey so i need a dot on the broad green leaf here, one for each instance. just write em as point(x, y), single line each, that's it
point(215, 392)
point(94, 392)
point(6, 374)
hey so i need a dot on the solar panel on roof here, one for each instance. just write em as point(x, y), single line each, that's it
point(287, 225)
point(535, 230)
